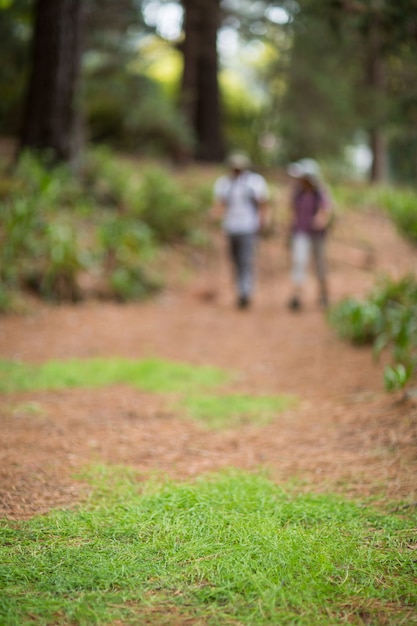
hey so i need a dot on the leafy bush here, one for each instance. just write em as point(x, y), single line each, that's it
point(39, 246)
point(62, 259)
point(169, 212)
point(401, 206)
point(387, 318)
point(126, 244)
point(132, 283)
point(109, 181)
point(153, 126)
point(354, 196)
point(357, 321)
point(114, 209)
point(20, 226)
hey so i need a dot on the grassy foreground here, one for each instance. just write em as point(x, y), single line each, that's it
point(232, 548)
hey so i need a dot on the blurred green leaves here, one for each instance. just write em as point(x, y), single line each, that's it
point(386, 319)
point(110, 220)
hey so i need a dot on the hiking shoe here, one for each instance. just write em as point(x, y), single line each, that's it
point(324, 302)
point(243, 302)
point(294, 304)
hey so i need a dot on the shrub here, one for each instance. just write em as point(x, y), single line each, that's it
point(108, 181)
point(356, 321)
point(39, 246)
point(401, 206)
point(113, 209)
point(127, 243)
point(387, 318)
point(153, 126)
point(171, 213)
point(55, 275)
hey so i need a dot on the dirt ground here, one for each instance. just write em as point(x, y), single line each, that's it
point(347, 434)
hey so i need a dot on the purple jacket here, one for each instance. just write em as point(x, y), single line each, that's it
point(305, 204)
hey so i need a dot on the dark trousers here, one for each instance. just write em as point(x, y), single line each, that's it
point(242, 254)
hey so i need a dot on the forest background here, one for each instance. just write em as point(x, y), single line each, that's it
point(194, 79)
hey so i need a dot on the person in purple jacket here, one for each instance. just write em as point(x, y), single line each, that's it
point(311, 214)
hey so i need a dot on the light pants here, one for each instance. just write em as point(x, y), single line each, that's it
point(242, 254)
point(303, 244)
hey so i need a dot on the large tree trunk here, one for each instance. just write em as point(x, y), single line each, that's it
point(200, 89)
point(50, 121)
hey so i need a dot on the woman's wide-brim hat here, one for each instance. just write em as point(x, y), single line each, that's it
point(308, 169)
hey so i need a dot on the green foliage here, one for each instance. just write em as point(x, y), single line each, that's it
point(170, 213)
point(39, 247)
point(401, 206)
point(329, 92)
point(167, 209)
point(20, 226)
point(132, 283)
point(357, 321)
point(334, 70)
point(229, 548)
point(387, 318)
point(403, 148)
point(124, 240)
point(15, 38)
point(63, 259)
point(153, 126)
point(399, 203)
point(354, 196)
point(396, 377)
point(115, 209)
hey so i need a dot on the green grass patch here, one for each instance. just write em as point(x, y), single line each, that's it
point(232, 548)
point(219, 411)
point(153, 375)
point(191, 383)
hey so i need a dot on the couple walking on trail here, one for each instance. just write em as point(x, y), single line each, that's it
point(242, 197)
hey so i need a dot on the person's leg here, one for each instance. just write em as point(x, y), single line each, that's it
point(246, 267)
point(235, 245)
point(242, 252)
point(318, 242)
point(300, 251)
point(233, 254)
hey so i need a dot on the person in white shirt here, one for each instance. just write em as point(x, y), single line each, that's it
point(242, 196)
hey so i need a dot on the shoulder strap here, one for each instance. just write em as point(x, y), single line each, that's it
point(250, 195)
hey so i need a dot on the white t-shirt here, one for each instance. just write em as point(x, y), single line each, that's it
point(240, 196)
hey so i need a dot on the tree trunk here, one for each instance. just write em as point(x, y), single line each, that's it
point(376, 82)
point(378, 145)
point(200, 89)
point(51, 121)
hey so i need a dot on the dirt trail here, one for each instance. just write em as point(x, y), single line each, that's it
point(346, 434)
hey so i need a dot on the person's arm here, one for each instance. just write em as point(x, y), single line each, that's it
point(263, 205)
point(264, 214)
point(218, 207)
point(324, 214)
point(290, 214)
